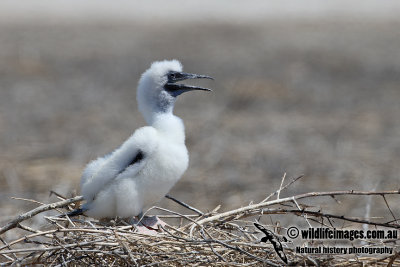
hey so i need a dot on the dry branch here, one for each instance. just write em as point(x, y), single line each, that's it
point(221, 239)
point(14, 223)
point(290, 199)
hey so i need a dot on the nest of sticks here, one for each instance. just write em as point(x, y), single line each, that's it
point(242, 237)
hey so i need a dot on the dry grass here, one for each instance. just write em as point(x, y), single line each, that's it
point(214, 238)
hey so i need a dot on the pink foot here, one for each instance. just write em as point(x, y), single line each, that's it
point(149, 225)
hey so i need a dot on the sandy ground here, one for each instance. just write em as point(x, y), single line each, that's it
point(318, 97)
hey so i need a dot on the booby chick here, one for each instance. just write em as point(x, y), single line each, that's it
point(145, 167)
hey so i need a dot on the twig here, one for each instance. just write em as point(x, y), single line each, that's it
point(237, 248)
point(38, 210)
point(286, 186)
point(287, 199)
point(128, 251)
point(305, 216)
point(29, 236)
point(387, 205)
point(57, 195)
point(280, 187)
point(36, 249)
point(28, 200)
point(27, 228)
point(328, 216)
point(7, 245)
point(212, 248)
point(226, 240)
point(392, 259)
point(211, 240)
point(184, 205)
point(173, 212)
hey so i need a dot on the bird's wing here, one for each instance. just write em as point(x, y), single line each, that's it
point(131, 155)
point(93, 167)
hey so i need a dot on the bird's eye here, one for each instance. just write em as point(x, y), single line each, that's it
point(172, 75)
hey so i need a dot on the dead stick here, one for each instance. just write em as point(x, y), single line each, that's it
point(184, 205)
point(387, 205)
point(42, 208)
point(286, 186)
point(327, 215)
point(287, 199)
point(36, 249)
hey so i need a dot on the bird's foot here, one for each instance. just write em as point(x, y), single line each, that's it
point(149, 225)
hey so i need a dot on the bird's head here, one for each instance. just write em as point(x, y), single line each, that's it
point(159, 86)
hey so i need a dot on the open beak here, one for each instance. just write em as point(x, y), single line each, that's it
point(178, 88)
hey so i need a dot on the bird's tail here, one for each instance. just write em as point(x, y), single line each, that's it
point(74, 213)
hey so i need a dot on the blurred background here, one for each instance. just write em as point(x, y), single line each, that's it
point(310, 87)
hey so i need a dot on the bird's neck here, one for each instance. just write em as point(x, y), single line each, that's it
point(169, 125)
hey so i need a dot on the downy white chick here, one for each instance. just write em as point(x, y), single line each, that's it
point(145, 167)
